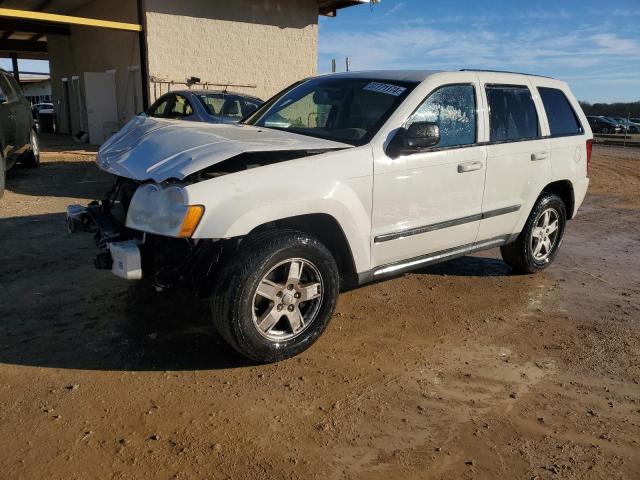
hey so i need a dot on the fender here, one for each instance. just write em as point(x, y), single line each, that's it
point(337, 183)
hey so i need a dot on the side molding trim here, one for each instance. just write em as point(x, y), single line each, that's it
point(446, 224)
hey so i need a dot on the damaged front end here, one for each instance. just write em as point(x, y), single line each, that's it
point(133, 254)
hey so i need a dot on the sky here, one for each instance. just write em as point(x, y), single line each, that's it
point(593, 45)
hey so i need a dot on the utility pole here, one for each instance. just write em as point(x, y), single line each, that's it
point(333, 65)
point(348, 64)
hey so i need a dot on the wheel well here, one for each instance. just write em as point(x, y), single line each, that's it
point(326, 229)
point(564, 190)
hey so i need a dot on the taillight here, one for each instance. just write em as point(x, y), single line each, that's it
point(589, 150)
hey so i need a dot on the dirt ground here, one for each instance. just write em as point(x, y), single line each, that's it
point(456, 371)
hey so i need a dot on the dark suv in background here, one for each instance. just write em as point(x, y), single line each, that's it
point(18, 136)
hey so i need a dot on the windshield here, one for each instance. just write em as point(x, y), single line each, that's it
point(349, 110)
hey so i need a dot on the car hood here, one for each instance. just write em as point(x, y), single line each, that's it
point(158, 149)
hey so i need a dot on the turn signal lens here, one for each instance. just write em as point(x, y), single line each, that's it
point(191, 220)
point(589, 151)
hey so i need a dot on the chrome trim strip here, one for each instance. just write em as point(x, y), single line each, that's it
point(385, 237)
point(501, 211)
point(439, 256)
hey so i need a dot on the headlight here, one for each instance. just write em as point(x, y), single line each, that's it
point(163, 210)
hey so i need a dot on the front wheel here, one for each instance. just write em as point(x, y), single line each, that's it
point(537, 245)
point(277, 296)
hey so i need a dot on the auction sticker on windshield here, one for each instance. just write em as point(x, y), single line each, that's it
point(385, 88)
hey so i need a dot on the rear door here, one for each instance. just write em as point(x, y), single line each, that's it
point(518, 155)
point(566, 133)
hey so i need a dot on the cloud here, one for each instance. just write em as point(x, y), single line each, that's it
point(395, 9)
point(412, 46)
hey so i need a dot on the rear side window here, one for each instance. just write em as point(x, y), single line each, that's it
point(562, 118)
point(512, 113)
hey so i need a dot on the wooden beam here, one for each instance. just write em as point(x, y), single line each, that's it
point(68, 19)
point(23, 46)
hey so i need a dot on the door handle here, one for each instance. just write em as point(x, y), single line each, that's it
point(469, 167)
point(539, 156)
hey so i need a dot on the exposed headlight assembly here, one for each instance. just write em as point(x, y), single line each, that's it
point(163, 210)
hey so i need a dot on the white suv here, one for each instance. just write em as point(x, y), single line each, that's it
point(337, 181)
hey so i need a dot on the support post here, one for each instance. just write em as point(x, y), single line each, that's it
point(14, 65)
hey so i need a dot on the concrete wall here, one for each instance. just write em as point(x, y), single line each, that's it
point(266, 43)
point(96, 50)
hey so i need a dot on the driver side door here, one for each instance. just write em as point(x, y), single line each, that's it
point(428, 202)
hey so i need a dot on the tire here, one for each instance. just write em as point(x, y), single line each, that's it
point(32, 157)
point(3, 174)
point(526, 254)
point(275, 323)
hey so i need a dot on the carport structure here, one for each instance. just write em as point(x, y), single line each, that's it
point(106, 56)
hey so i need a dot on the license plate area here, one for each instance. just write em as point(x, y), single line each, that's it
point(127, 261)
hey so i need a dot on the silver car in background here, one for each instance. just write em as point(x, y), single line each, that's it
point(211, 106)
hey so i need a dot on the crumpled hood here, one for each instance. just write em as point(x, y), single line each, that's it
point(159, 149)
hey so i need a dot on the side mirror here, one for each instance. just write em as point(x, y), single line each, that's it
point(419, 136)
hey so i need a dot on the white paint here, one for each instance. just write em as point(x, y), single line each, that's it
point(102, 111)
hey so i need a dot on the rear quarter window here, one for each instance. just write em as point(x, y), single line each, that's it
point(561, 116)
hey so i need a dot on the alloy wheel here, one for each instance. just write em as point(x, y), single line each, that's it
point(545, 234)
point(287, 299)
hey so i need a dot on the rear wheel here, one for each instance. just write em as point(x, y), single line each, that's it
point(537, 245)
point(32, 157)
point(277, 295)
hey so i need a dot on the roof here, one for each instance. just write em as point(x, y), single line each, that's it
point(398, 75)
point(418, 75)
point(205, 91)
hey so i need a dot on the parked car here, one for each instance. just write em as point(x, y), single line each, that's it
point(338, 181)
point(204, 106)
point(603, 125)
point(18, 136)
point(627, 125)
point(45, 108)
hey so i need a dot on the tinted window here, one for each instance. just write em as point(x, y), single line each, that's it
point(562, 118)
point(512, 113)
point(453, 108)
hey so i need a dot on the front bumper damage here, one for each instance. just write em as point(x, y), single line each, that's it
point(133, 255)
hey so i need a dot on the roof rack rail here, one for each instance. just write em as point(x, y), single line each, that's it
point(503, 71)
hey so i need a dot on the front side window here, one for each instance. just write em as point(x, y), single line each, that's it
point(453, 108)
point(349, 110)
point(512, 113)
point(562, 118)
